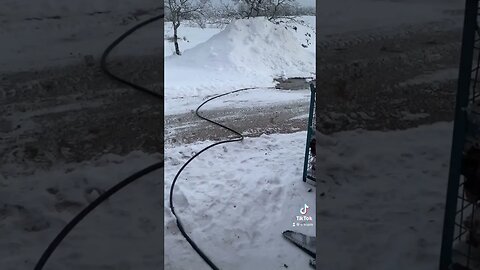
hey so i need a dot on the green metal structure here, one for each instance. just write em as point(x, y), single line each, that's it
point(458, 243)
point(309, 162)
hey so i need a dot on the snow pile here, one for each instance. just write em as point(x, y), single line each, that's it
point(237, 209)
point(305, 30)
point(248, 52)
point(250, 46)
point(189, 36)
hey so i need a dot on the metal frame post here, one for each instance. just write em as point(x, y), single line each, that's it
point(309, 131)
point(459, 132)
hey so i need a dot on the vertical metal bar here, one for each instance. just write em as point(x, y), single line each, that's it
point(461, 214)
point(476, 75)
point(458, 141)
point(472, 222)
point(309, 132)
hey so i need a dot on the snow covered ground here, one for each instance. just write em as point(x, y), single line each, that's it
point(381, 195)
point(34, 208)
point(382, 198)
point(237, 209)
point(36, 199)
point(52, 33)
point(236, 200)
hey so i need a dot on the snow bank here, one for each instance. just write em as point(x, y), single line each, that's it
point(189, 36)
point(248, 52)
point(250, 46)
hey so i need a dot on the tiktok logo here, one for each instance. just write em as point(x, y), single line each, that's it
point(304, 210)
point(304, 220)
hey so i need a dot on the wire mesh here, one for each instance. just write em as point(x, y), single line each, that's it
point(310, 153)
point(466, 241)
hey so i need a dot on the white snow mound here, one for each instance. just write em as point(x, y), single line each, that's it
point(250, 46)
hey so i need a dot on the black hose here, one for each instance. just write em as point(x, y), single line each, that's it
point(239, 137)
point(104, 196)
point(103, 61)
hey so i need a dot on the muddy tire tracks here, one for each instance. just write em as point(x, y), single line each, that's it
point(76, 113)
point(371, 83)
point(252, 122)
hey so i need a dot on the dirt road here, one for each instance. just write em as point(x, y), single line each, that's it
point(76, 113)
point(253, 121)
point(391, 79)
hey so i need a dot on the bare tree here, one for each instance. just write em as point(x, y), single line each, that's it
point(223, 13)
point(280, 8)
point(272, 9)
point(251, 8)
point(179, 10)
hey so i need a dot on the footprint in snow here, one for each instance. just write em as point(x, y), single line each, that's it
point(32, 221)
point(171, 227)
point(92, 193)
point(181, 200)
point(70, 206)
point(11, 210)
